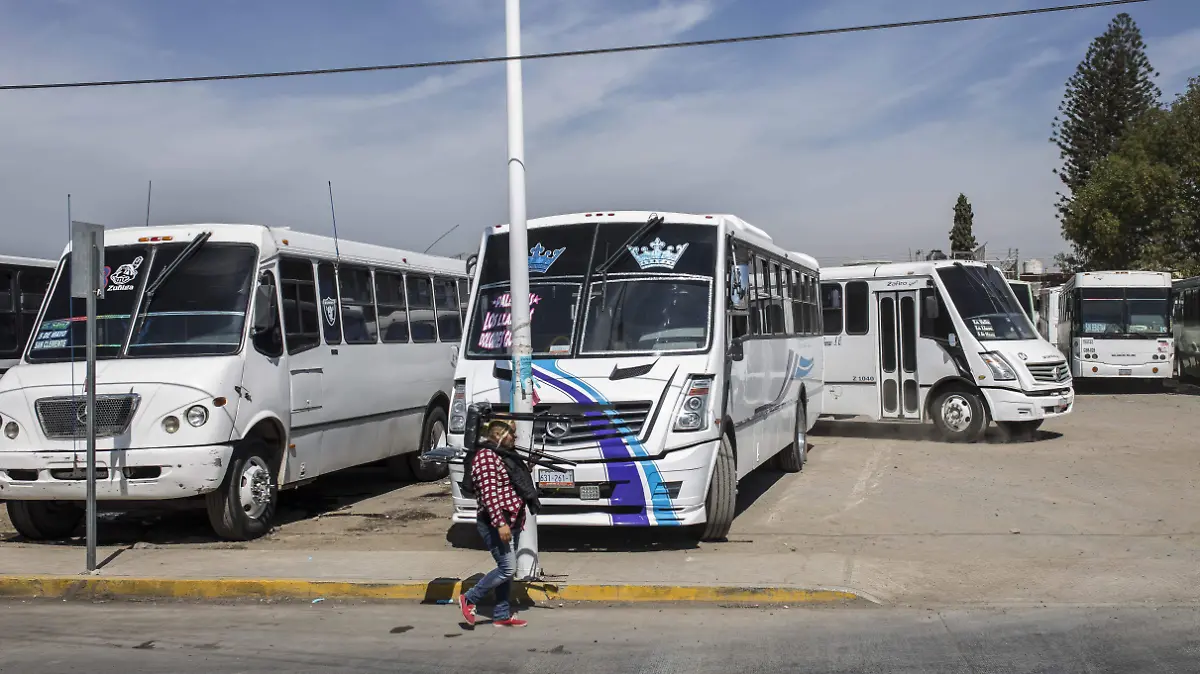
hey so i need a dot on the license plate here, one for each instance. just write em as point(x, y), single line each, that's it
point(1125, 372)
point(589, 492)
point(556, 478)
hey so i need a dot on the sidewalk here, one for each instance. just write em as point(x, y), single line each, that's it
point(57, 571)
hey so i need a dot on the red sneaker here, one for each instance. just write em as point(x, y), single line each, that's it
point(468, 610)
point(510, 622)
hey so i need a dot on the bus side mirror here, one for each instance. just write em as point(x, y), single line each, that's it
point(471, 261)
point(265, 316)
point(736, 351)
point(931, 306)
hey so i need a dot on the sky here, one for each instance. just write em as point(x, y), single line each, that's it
point(844, 147)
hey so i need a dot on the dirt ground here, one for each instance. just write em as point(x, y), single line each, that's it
point(1117, 479)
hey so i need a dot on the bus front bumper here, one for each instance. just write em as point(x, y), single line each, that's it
point(1010, 405)
point(1165, 369)
point(681, 479)
point(147, 474)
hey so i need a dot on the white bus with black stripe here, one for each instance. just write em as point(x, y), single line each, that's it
point(941, 341)
point(263, 359)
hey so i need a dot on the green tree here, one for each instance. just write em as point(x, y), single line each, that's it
point(1112, 87)
point(962, 236)
point(1140, 208)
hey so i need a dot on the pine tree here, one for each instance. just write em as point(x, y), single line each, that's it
point(1111, 88)
point(962, 236)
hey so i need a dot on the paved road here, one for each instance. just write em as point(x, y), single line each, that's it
point(130, 638)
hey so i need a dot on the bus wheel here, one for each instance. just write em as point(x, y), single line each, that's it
point(243, 507)
point(45, 520)
point(721, 502)
point(432, 435)
point(794, 456)
point(960, 416)
point(1020, 431)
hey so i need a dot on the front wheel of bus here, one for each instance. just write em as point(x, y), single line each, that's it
point(960, 416)
point(243, 507)
point(44, 520)
point(432, 435)
point(721, 503)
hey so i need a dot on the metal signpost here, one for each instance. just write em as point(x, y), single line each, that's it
point(518, 264)
point(87, 282)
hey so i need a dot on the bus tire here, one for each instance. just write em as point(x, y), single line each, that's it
point(721, 502)
point(794, 456)
point(959, 415)
point(432, 431)
point(45, 520)
point(243, 507)
point(1020, 431)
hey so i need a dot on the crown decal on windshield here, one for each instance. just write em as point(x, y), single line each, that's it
point(658, 254)
point(540, 259)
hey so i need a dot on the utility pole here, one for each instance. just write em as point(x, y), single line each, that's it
point(87, 261)
point(518, 264)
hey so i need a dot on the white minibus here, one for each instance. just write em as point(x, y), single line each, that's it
point(1117, 324)
point(1047, 322)
point(232, 360)
point(23, 283)
point(940, 340)
point(686, 349)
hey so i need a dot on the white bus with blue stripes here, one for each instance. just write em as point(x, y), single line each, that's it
point(685, 349)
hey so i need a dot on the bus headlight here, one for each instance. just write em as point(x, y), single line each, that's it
point(197, 415)
point(692, 415)
point(170, 424)
point(1001, 370)
point(11, 430)
point(458, 407)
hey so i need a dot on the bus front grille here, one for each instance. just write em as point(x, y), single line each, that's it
point(591, 422)
point(65, 417)
point(1049, 373)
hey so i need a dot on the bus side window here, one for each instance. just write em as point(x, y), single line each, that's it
point(831, 303)
point(393, 308)
point(464, 297)
point(449, 320)
point(265, 332)
point(858, 312)
point(301, 328)
point(358, 305)
point(330, 310)
point(420, 309)
point(757, 284)
point(9, 316)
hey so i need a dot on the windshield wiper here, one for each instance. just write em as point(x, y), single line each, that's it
point(183, 256)
point(652, 223)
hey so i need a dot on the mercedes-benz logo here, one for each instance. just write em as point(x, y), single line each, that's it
point(81, 413)
point(558, 429)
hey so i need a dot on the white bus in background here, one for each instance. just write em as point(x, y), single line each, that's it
point(1185, 327)
point(686, 347)
point(232, 360)
point(1024, 292)
point(1117, 324)
point(23, 283)
point(941, 340)
point(1048, 317)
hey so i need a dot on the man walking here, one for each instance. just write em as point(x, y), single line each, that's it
point(500, 516)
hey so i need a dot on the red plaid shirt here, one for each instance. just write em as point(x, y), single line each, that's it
point(494, 491)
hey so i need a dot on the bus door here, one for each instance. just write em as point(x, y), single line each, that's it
point(899, 391)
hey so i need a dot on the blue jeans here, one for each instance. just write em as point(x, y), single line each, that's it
point(500, 578)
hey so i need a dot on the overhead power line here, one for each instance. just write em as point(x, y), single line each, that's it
point(577, 52)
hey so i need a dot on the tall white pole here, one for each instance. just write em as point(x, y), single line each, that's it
point(518, 262)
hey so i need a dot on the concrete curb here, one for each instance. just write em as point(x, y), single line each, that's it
point(441, 589)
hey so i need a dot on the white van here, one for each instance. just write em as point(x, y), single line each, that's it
point(232, 360)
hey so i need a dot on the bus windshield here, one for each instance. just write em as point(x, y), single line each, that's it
point(985, 303)
point(654, 295)
point(199, 309)
point(1024, 297)
point(1124, 313)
